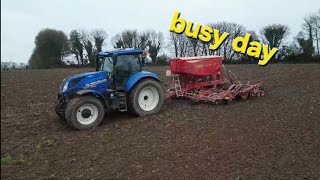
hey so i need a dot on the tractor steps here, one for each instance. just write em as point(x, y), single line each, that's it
point(122, 102)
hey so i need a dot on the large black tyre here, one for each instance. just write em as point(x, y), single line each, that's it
point(77, 112)
point(150, 94)
point(58, 112)
point(60, 109)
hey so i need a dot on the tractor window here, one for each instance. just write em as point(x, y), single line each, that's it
point(129, 64)
point(108, 65)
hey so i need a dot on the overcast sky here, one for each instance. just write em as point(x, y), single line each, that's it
point(21, 20)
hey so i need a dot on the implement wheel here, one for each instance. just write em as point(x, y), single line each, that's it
point(146, 97)
point(245, 96)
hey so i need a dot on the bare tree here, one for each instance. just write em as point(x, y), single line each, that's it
point(312, 25)
point(308, 27)
point(310, 35)
point(183, 45)
point(234, 31)
point(87, 40)
point(143, 38)
point(117, 41)
point(274, 34)
point(155, 44)
point(254, 36)
point(305, 44)
point(131, 39)
point(126, 39)
point(204, 49)
point(140, 40)
point(174, 43)
point(99, 36)
point(179, 44)
point(76, 45)
point(194, 47)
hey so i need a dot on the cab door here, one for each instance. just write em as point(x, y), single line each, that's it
point(127, 65)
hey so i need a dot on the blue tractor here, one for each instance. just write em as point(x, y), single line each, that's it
point(118, 84)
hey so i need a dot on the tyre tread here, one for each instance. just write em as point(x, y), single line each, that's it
point(133, 93)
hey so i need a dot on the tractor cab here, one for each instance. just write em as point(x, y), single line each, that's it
point(119, 66)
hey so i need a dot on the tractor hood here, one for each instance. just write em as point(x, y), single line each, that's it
point(91, 80)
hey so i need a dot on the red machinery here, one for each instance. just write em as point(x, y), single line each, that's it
point(205, 78)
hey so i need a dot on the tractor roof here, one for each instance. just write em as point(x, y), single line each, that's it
point(121, 52)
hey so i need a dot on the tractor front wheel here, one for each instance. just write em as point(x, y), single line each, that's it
point(146, 97)
point(84, 112)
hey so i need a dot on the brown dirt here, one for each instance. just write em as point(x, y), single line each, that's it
point(272, 137)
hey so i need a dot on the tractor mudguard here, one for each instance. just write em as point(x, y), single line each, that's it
point(87, 91)
point(138, 76)
point(96, 94)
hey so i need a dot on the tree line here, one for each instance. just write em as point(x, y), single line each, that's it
point(6, 66)
point(51, 45)
point(303, 48)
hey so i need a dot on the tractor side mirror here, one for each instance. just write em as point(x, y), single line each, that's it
point(99, 61)
point(115, 59)
point(143, 61)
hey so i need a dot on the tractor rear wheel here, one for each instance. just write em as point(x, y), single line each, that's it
point(84, 112)
point(146, 97)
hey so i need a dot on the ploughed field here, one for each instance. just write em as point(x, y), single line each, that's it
point(272, 137)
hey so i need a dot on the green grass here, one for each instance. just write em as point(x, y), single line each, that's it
point(6, 160)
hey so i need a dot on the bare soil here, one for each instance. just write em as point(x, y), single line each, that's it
point(271, 137)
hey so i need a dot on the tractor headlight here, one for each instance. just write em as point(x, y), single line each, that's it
point(65, 86)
